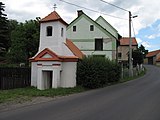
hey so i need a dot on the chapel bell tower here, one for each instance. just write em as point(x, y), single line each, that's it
point(52, 32)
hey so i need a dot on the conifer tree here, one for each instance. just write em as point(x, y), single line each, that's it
point(4, 31)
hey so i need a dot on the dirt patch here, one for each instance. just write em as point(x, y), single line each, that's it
point(20, 103)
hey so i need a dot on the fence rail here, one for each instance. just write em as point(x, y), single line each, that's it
point(11, 78)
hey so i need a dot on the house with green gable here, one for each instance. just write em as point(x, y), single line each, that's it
point(96, 38)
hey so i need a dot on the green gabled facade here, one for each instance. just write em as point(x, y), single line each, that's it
point(88, 40)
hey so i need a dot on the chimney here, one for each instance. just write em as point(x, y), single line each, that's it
point(80, 12)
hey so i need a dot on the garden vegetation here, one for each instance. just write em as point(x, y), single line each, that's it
point(95, 72)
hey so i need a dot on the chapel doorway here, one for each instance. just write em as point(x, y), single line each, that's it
point(47, 77)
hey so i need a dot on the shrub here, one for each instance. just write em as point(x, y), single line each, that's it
point(95, 72)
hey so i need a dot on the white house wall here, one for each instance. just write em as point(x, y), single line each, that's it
point(68, 74)
point(84, 39)
point(91, 46)
point(107, 54)
point(83, 31)
point(105, 25)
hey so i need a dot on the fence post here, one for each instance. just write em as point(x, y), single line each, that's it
point(122, 75)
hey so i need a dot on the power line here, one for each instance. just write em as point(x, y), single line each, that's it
point(114, 5)
point(91, 10)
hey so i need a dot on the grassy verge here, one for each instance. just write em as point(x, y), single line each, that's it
point(24, 94)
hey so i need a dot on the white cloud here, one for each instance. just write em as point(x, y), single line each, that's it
point(139, 41)
point(146, 44)
point(153, 36)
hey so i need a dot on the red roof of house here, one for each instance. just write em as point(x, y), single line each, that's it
point(53, 16)
point(125, 41)
point(75, 50)
point(153, 53)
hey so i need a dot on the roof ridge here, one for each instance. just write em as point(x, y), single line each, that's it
point(53, 16)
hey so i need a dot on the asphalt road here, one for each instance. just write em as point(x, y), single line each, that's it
point(135, 100)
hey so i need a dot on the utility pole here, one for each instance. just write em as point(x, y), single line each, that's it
point(130, 47)
point(130, 39)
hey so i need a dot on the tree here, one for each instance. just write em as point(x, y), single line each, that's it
point(24, 41)
point(4, 31)
point(137, 57)
point(143, 50)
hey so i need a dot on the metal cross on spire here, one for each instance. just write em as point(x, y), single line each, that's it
point(55, 6)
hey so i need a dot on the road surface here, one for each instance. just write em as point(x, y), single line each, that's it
point(135, 100)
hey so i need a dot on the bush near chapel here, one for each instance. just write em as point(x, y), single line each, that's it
point(95, 72)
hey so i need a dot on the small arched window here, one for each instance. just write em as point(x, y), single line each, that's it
point(61, 32)
point(49, 30)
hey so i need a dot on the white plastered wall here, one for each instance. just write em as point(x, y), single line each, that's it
point(62, 76)
point(34, 74)
point(68, 74)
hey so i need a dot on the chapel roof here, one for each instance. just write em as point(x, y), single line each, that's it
point(53, 57)
point(75, 50)
point(53, 16)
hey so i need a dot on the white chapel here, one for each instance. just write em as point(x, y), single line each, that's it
point(55, 63)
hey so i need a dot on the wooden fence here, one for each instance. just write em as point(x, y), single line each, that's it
point(11, 78)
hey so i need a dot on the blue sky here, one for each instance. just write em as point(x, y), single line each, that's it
point(150, 36)
point(146, 25)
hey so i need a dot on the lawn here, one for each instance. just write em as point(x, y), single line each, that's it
point(24, 94)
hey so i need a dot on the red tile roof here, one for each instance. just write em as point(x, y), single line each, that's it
point(153, 53)
point(75, 50)
point(53, 16)
point(54, 57)
point(125, 41)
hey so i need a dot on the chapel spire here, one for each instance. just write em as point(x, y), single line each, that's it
point(54, 6)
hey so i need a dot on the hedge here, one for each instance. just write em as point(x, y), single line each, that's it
point(95, 72)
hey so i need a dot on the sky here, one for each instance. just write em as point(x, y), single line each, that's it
point(145, 27)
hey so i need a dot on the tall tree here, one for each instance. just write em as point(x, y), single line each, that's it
point(4, 31)
point(25, 41)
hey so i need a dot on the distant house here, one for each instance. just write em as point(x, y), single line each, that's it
point(153, 57)
point(55, 64)
point(123, 48)
point(97, 37)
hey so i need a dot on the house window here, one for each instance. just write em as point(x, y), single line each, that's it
point(61, 32)
point(74, 28)
point(98, 44)
point(119, 55)
point(91, 27)
point(49, 30)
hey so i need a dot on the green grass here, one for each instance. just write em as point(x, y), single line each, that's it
point(24, 94)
